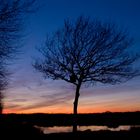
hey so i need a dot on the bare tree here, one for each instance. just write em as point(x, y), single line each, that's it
point(87, 51)
point(12, 13)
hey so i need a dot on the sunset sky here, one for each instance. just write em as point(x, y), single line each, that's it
point(29, 92)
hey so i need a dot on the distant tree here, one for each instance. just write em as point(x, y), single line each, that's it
point(12, 13)
point(87, 51)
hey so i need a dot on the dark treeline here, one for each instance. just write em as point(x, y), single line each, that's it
point(17, 126)
point(108, 118)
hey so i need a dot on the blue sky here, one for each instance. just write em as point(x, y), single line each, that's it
point(29, 92)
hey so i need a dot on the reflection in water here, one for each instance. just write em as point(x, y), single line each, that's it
point(58, 129)
point(97, 128)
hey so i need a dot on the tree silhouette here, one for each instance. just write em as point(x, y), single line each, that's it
point(87, 51)
point(3, 84)
point(12, 14)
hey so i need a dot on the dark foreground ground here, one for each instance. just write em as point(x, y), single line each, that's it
point(29, 132)
point(22, 126)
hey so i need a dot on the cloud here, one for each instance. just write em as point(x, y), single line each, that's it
point(19, 100)
point(60, 97)
point(11, 106)
point(48, 93)
point(47, 103)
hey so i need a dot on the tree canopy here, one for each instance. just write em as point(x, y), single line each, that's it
point(88, 51)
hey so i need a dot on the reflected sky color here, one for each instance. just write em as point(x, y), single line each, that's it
point(28, 92)
point(60, 129)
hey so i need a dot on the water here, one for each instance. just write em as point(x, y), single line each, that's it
point(58, 129)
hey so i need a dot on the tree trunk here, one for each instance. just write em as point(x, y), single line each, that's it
point(1, 103)
point(1, 107)
point(75, 107)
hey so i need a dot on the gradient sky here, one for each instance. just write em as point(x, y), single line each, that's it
point(28, 92)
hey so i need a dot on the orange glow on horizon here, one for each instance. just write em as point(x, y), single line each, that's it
point(68, 110)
